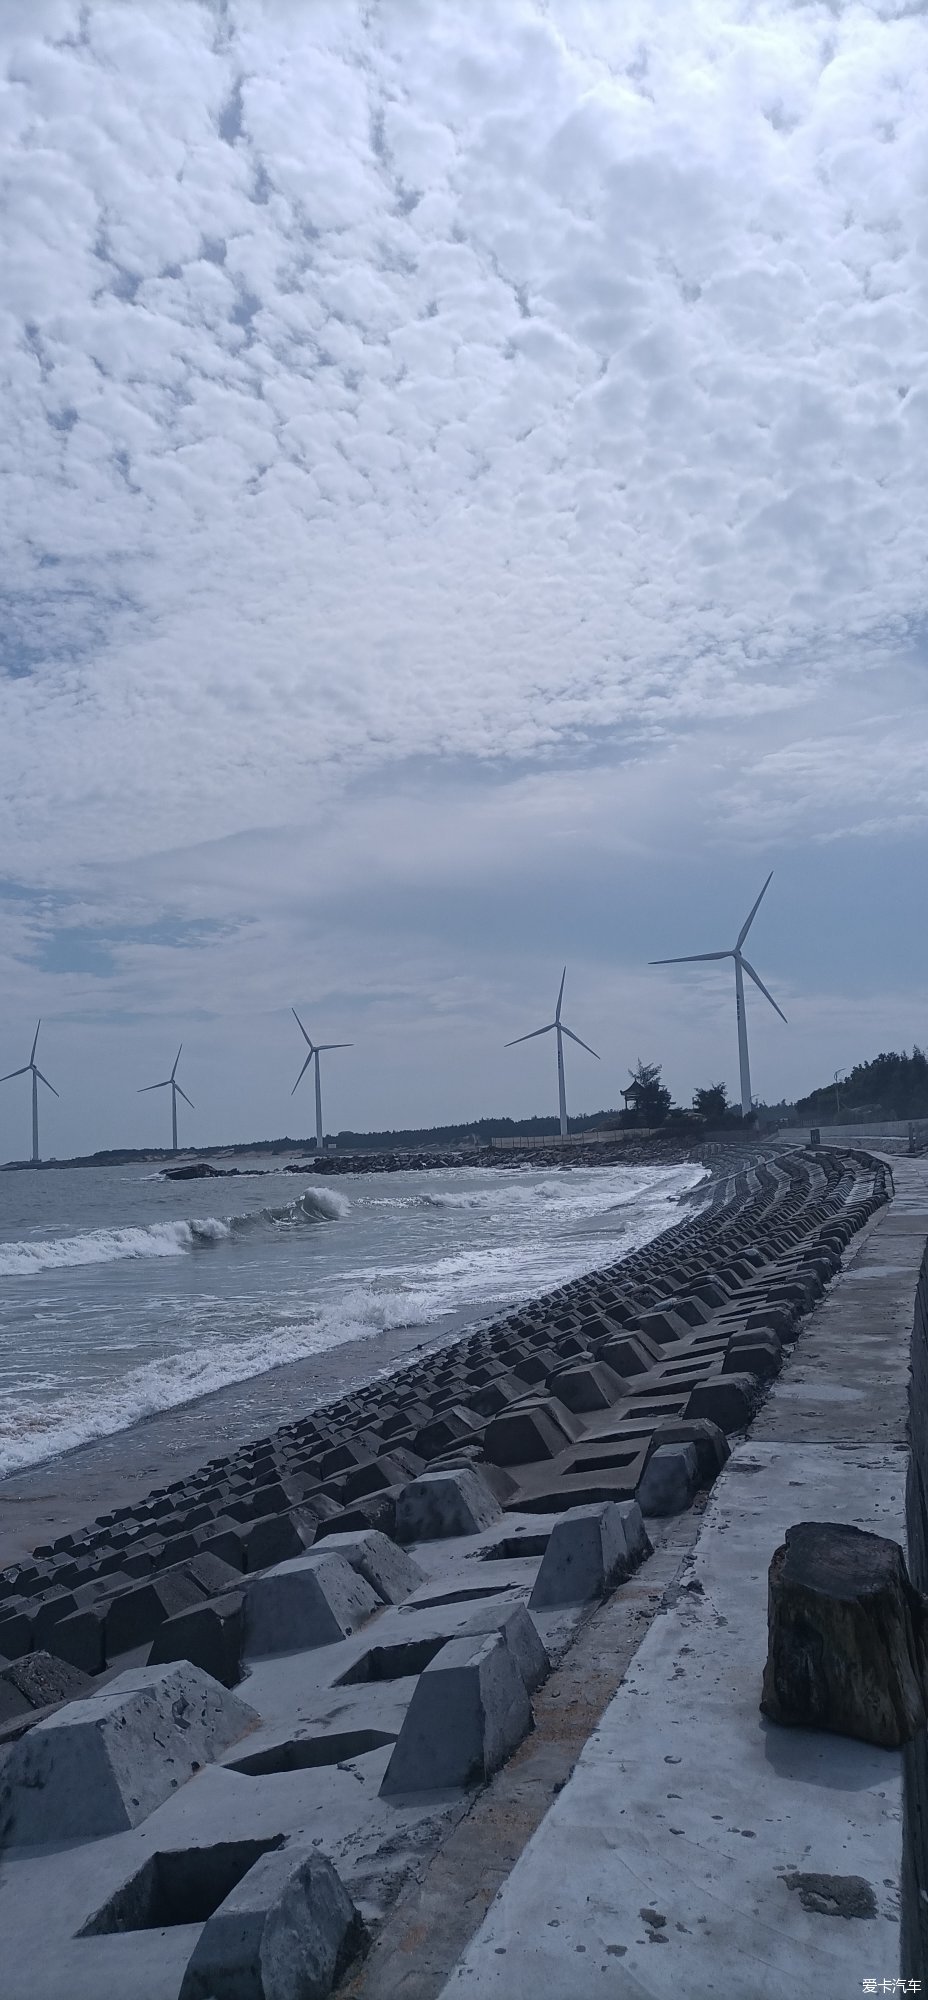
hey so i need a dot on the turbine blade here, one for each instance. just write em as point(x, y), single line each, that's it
point(35, 1041)
point(48, 1086)
point(302, 1073)
point(334, 1045)
point(692, 958)
point(183, 1094)
point(154, 1086)
point(742, 934)
point(531, 1037)
point(16, 1072)
point(557, 1010)
point(302, 1032)
point(576, 1038)
point(749, 969)
point(176, 1061)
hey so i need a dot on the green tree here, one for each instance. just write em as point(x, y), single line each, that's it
point(711, 1103)
point(651, 1097)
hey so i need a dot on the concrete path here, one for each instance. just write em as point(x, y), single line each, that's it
point(682, 1855)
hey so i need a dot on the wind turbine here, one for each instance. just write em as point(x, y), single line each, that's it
point(37, 1078)
point(176, 1092)
point(316, 1049)
point(559, 1029)
point(741, 967)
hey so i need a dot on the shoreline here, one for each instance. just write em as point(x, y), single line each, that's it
point(58, 1495)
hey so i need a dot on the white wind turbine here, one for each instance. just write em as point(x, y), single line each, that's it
point(37, 1078)
point(316, 1049)
point(741, 967)
point(559, 1029)
point(176, 1092)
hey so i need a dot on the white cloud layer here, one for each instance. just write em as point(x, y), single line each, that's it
point(526, 389)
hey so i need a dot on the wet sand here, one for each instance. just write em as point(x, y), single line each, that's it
point(66, 1493)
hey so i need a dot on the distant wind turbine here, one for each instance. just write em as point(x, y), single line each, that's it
point(37, 1078)
point(176, 1092)
point(560, 1030)
point(741, 966)
point(316, 1049)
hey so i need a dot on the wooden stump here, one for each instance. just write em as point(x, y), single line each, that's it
point(846, 1636)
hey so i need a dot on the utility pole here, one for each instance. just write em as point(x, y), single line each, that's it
point(838, 1075)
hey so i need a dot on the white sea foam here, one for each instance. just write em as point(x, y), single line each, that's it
point(162, 1239)
point(77, 1369)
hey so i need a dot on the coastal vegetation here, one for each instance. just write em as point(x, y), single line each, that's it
point(890, 1086)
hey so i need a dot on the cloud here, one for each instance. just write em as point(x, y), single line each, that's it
point(499, 393)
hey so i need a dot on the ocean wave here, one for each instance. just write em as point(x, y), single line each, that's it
point(29, 1435)
point(163, 1239)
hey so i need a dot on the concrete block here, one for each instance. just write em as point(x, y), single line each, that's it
point(210, 1635)
point(499, 1481)
point(212, 1576)
point(375, 1510)
point(590, 1385)
point(276, 1538)
point(469, 1710)
point(81, 1639)
point(727, 1400)
point(104, 1763)
point(49, 1612)
point(452, 1427)
point(16, 1632)
point(637, 1540)
point(670, 1479)
point(712, 1446)
point(525, 1433)
point(758, 1353)
point(438, 1504)
point(288, 1931)
point(632, 1353)
point(521, 1636)
point(39, 1681)
point(388, 1569)
point(587, 1553)
point(311, 1601)
point(134, 1616)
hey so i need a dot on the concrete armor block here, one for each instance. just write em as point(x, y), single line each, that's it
point(469, 1710)
point(521, 1636)
point(587, 1553)
point(211, 1636)
point(458, 1502)
point(288, 1931)
point(386, 1568)
point(311, 1601)
point(104, 1763)
point(729, 1401)
point(670, 1479)
point(637, 1540)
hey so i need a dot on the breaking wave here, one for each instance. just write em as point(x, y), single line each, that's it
point(164, 1239)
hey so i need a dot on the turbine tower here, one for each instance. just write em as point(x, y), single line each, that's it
point(37, 1078)
point(316, 1049)
point(176, 1092)
point(559, 1030)
point(741, 967)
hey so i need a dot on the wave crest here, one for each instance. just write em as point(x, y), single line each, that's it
point(163, 1239)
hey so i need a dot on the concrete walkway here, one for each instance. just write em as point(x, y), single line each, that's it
point(684, 1855)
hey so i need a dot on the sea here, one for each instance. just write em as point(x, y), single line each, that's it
point(125, 1295)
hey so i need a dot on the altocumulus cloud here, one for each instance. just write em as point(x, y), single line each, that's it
point(495, 383)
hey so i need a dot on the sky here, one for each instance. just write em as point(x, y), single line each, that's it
point(463, 512)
